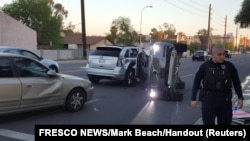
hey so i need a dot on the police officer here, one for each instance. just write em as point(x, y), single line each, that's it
point(214, 81)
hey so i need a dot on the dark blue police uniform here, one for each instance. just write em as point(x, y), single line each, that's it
point(215, 82)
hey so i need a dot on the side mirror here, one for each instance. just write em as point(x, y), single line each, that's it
point(51, 73)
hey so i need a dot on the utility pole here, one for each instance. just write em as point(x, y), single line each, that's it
point(225, 32)
point(208, 28)
point(84, 43)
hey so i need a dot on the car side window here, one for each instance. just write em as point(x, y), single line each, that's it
point(29, 54)
point(5, 68)
point(127, 54)
point(30, 68)
point(12, 51)
point(134, 53)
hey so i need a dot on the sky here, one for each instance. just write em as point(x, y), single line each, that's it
point(188, 16)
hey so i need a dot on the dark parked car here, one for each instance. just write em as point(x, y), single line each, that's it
point(200, 55)
point(228, 54)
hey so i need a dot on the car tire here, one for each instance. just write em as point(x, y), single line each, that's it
point(129, 77)
point(75, 100)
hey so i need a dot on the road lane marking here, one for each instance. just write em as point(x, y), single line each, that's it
point(24, 136)
point(187, 75)
point(16, 135)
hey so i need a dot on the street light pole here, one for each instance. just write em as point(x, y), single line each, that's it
point(141, 23)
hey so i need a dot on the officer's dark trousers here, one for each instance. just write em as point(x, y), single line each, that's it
point(216, 106)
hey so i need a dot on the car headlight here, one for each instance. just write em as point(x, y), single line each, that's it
point(152, 93)
point(156, 48)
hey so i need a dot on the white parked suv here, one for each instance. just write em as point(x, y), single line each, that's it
point(113, 62)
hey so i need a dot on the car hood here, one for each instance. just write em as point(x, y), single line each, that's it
point(71, 77)
point(48, 62)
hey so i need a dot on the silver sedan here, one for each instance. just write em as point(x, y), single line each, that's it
point(26, 85)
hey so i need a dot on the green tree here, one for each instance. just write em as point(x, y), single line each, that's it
point(163, 32)
point(122, 32)
point(243, 17)
point(156, 35)
point(202, 34)
point(229, 46)
point(194, 46)
point(113, 34)
point(44, 16)
point(181, 37)
point(169, 29)
point(69, 29)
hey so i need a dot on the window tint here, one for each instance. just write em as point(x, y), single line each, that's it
point(5, 68)
point(30, 68)
point(127, 54)
point(106, 51)
point(12, 51)
point(29, 54)
point(134, 53)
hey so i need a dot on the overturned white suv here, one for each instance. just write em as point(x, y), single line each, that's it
point(113, 62)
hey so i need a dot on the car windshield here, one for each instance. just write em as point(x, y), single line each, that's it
point(106, 51)
point(200, 53)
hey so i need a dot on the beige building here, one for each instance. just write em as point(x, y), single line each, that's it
point(14, 33)
point(75, 41)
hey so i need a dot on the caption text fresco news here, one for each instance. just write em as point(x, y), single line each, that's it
point(57, 132)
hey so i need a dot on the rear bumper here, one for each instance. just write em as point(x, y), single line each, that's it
point(117, 73)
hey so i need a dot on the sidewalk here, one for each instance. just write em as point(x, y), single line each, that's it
point(246, 108)
point(71, 61)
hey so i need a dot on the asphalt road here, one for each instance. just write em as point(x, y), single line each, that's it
point(115, 104)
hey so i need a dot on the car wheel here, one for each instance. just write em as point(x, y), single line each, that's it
point(54, 68)
point(130, 77)
point(75, 100)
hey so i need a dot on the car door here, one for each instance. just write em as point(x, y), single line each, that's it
point(39, 89)
point(142, 65)
point(10, 86)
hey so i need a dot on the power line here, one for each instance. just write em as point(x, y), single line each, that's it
point(218, 18)
point(199, 4)
point(205, 7)
point(189, 5)
point(184, 9)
